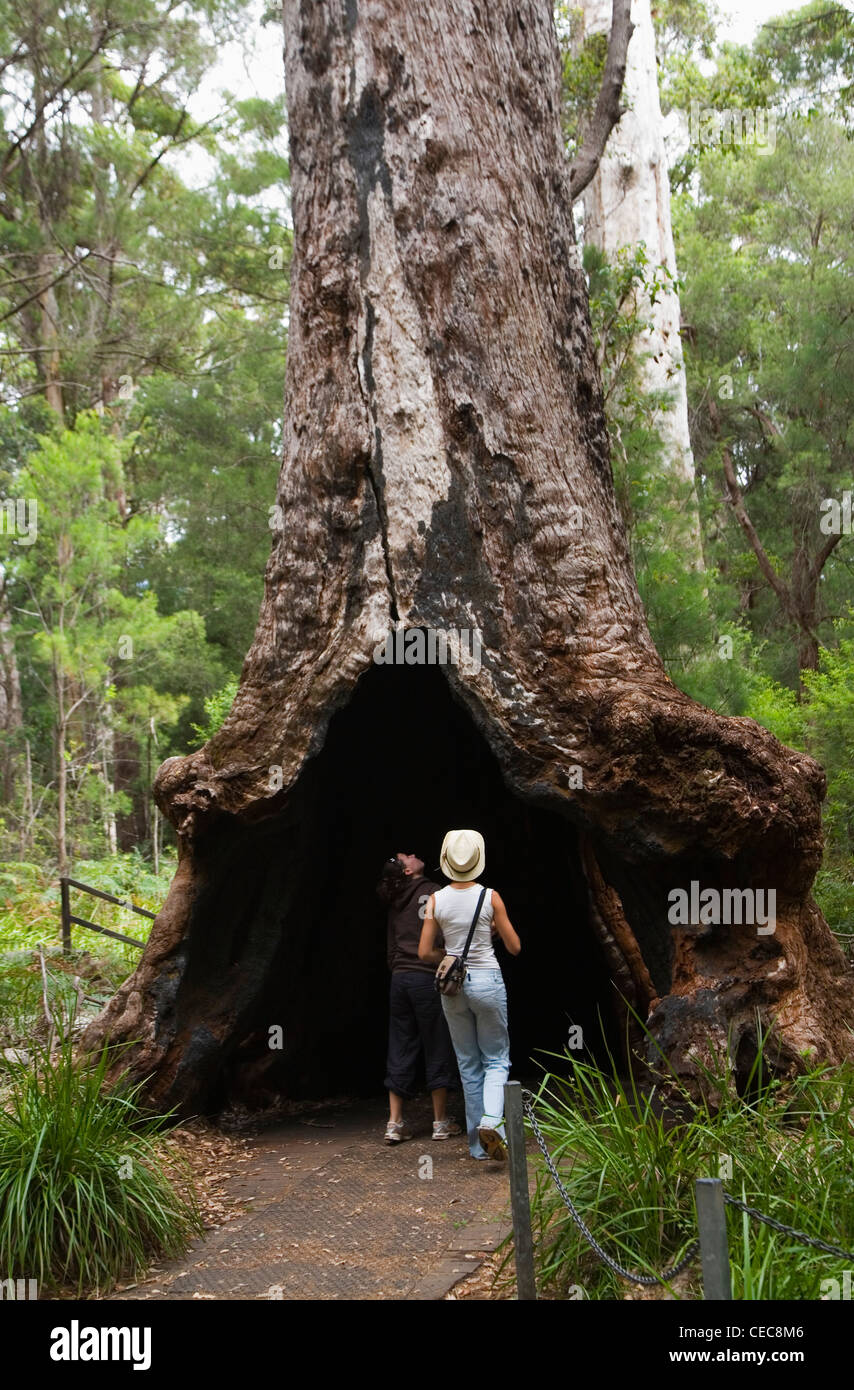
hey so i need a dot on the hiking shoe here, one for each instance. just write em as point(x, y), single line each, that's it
point(445, 1129)
point(493, 1143)
point(396, 1130)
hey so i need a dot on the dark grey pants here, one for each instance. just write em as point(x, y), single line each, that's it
point(415, 1023)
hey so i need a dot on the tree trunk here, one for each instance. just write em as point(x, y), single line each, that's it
point(51, 363)
point(61, 790)
point(798, 597)
point(107, 743)
point(446, 467)
point(628, 202)
point(11, 706)
point(48, 360)
point(25, 832)
point(132, 826)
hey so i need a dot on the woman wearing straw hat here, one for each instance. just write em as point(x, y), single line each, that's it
point(477, 1015)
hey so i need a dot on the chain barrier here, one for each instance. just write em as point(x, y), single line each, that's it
point(647, 1279)
point(693, 1249)
point(788, 1230)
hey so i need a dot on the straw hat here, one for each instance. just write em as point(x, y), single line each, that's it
point(463, 855)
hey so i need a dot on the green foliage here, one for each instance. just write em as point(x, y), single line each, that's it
point(834, 893)
point(722, 674)
point(656, 507)
point(821, 723)
point(207, 455)
point(765, 243)
point(110, 87)
point(582, 64)
point(778, 709)
point(21, 996)
point(98, 648)
point(685, 32)
point(90, 1189)
point(30, 907)
point(172, 327)
point(630, 1160)
point(217, 709)
point(829, 736)
point(809, 55)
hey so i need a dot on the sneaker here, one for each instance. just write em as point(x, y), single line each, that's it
point(396, 1130)
point(445, 1129)
point(492, 1142)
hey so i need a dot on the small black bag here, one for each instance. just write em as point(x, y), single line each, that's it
point(449, 972)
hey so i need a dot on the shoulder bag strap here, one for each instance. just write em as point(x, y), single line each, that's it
point(473, 925)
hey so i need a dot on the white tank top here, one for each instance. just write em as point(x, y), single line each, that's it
point(454, 911)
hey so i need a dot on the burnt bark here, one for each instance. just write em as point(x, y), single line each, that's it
point(446, 467)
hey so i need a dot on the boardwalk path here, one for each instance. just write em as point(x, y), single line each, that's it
point(334, 1213)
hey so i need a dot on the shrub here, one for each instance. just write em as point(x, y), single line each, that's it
point(630, 1165)
point(90, 1188)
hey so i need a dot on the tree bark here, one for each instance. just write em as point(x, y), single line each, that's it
point(608, 107)
point(446, 467)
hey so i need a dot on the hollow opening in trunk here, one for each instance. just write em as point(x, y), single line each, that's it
point(289, 933)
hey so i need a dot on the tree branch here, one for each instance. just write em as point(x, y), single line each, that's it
point(763, 419)
point(174, 144)
point(737, 503)
point(824, 555)
point(44, 289)
point(107, 33)
point(608, 109)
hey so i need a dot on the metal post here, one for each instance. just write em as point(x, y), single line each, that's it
point(66, 915)
point(711, 1219)
point(523, 1240)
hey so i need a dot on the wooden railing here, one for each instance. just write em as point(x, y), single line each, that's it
point(65, 885)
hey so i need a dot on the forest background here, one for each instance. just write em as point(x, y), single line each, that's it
point(144, 272)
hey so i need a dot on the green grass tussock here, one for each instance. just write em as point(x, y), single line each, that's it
point(629, 1162)
point(90, 1188)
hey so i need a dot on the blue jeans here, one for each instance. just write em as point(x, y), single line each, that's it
point(477, 1022)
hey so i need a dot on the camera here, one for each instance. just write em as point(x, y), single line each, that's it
point(391, 880)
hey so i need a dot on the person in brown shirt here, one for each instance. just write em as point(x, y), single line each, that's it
point(416, 1021)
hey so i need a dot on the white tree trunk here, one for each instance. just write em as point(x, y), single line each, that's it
point(628, 202)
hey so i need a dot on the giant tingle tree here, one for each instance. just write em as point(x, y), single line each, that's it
point(446, 467)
